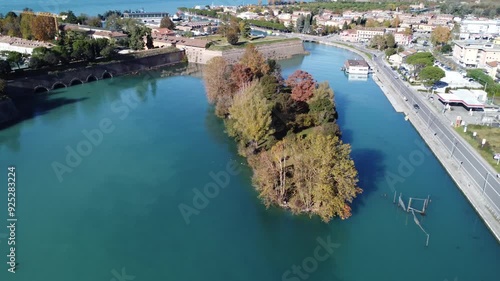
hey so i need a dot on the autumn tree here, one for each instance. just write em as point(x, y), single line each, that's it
point(218, 89)
point(440, 35)
point(166, 22)
point(254, 60)
point(43, 28)
point(302, 85)
point(396, 22)
point(241, 75)
point(251, 115)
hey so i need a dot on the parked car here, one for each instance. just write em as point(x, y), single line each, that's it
point(416, 106)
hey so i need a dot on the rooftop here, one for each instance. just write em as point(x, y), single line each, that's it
point(23, 42)
point(469, 98)
point(359, 63)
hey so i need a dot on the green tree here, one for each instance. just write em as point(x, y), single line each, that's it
point(232, 37)
point(446, 48)
point(245, 29)
point(15, 58)
point(94, 22)
point(430, 75)
point(419, 61)
point(390, 42)
point(299, 25)
point(251, 115)
point(70, 17)
point(25, 25)
point(4, 68)
point(3, 85)
point(166, 22)
point(345, 26)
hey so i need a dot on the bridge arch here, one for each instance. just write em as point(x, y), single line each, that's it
point(75, 81)
point(107, 75)
point(58, 85)
point(91, 78)
point(40, 89)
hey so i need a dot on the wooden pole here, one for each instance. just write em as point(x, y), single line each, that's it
point(394, 200)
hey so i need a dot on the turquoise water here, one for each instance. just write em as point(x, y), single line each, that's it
point(118, 208)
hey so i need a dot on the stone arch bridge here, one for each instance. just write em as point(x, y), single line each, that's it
point(42, 83)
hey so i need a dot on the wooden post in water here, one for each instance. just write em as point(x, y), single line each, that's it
point(394, 200)
point(427, 242)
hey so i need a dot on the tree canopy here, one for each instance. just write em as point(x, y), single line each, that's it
point(440, 35)
point(287, 129)
point(430, 75)
point(419, 61)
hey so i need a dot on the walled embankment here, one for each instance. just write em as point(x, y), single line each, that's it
point(270, 50)
point(54, 80)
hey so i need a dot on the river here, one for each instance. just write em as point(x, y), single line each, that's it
point(148, 143)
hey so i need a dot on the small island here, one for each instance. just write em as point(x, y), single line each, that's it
point(288, 132)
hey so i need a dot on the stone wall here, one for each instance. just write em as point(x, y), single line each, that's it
point(46, 82)
point(277, 51)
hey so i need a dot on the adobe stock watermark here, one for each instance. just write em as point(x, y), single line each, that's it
point(121, 276)
point(92, 138)
point(407, 165)
point(201, 198)
point(310, 264)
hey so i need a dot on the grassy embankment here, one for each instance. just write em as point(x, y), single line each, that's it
point(219, 43)
point(492, 146)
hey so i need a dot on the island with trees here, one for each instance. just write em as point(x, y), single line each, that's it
point(287, 130)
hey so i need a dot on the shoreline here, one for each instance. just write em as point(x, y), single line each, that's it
point(463, 182)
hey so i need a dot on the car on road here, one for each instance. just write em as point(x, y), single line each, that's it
point(416, 106)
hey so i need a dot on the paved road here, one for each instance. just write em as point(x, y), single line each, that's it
point(481, 174)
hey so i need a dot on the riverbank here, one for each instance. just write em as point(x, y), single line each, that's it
point(471, 191)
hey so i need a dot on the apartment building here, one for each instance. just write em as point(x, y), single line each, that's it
point(485, 27)
point(367, 33)
point(475, 53)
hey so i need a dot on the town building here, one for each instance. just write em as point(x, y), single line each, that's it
point(350, 35)
point(146, 17)
point(470, 99)
point(367, 33)
point(94, 32)
point(356, 67)
point(399, 58)
point(485, 27)
point(475, 53)
point(402, 39)
point(492, 68)
point(194, 48)
point(14, 44)
point(161, 32)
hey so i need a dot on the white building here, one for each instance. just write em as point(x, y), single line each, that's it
point(356, 67)
point(14, 44)
point(475, 53)
point(480, 26)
